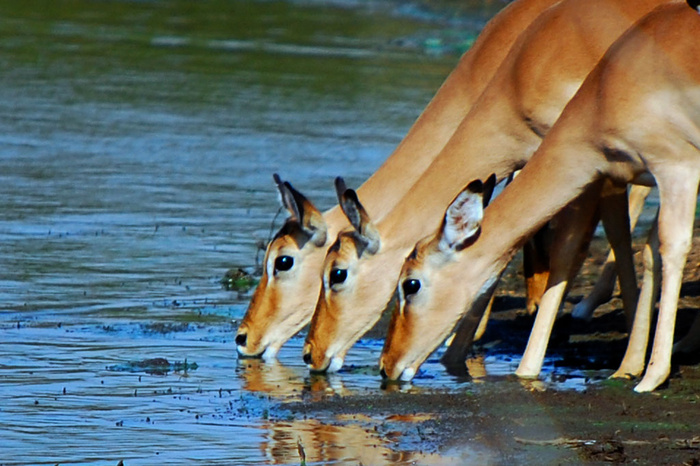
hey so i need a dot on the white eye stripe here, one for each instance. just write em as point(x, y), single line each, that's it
point(270, 268)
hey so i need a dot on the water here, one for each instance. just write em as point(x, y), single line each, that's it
point(137, 144)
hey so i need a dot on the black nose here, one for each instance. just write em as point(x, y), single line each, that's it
point(382, 372)
point(307, 358)
point(241, 339)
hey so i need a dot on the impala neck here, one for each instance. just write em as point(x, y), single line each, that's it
point(436, 124)
point(479, 148)
point(558, 173)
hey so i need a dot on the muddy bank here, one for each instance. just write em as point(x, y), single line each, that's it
point(510, 422)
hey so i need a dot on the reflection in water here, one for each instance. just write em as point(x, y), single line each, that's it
point(362, 441)
point(280, 381)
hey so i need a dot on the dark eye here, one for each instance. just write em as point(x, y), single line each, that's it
point(283, 263)
point(410, 286)
point(337, 276)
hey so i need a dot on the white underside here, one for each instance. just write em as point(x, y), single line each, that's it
point(407, 374)
point(335, 364)
point(269, 354)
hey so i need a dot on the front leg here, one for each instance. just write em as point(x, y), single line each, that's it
point(633, 362)
point(574, 227)
point(678, 186)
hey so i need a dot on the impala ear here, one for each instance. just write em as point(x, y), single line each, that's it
point(340, 188)
point(462, 223)
point(302, 211)
point(358, 217)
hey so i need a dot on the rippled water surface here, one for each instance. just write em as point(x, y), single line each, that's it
point(137, 145)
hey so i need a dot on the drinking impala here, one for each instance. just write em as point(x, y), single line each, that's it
point(284, 300)
point(525, 97)
point(636, 119)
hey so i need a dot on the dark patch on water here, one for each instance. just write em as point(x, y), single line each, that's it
point(155, 366)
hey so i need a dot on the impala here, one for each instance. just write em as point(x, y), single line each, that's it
point(542, 72)
point(636, 119)
point(284, 300)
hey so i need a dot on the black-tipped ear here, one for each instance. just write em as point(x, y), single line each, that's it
point(340, 188)
point(289, 198)
point(353, 209)
point(489, 186)
point(360, 220)
point(476, 186)
point(462, 223)
point(303, 211)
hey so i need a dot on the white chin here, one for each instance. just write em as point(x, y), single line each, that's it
point(269, 354)
point(407, 374)
point(242, 351)
point(335, 365)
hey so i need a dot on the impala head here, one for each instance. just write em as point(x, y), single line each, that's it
point(427, 294)
point(283, 302)
point(341, 315)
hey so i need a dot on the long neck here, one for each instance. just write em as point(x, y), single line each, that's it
point(447, 109)
point(559, 172)
point(491, 139)
point(527, 94)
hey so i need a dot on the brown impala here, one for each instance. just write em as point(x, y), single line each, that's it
point(285, 298)
point(636, 119)
point(505, 126)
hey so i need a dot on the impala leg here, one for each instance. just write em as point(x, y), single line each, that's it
point(467, 331)
point(536, 267)
point(483, 323)
point(605, 285)
point(677, 192)
point(614, 213)
point(573, 230)
point(632, 364)
point(602, 291)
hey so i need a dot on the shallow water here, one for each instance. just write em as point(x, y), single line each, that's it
point(137, 144)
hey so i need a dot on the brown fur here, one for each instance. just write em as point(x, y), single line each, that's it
point(523, 100)
point(281, 307)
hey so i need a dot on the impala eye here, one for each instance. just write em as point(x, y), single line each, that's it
point(337, 276)
point(410, 286)
point(284, 263)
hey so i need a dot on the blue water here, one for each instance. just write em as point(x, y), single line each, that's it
point(137, 144)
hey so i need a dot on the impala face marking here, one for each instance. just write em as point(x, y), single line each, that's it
point(418, 324)
point(341, 270)
point(277, 310)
